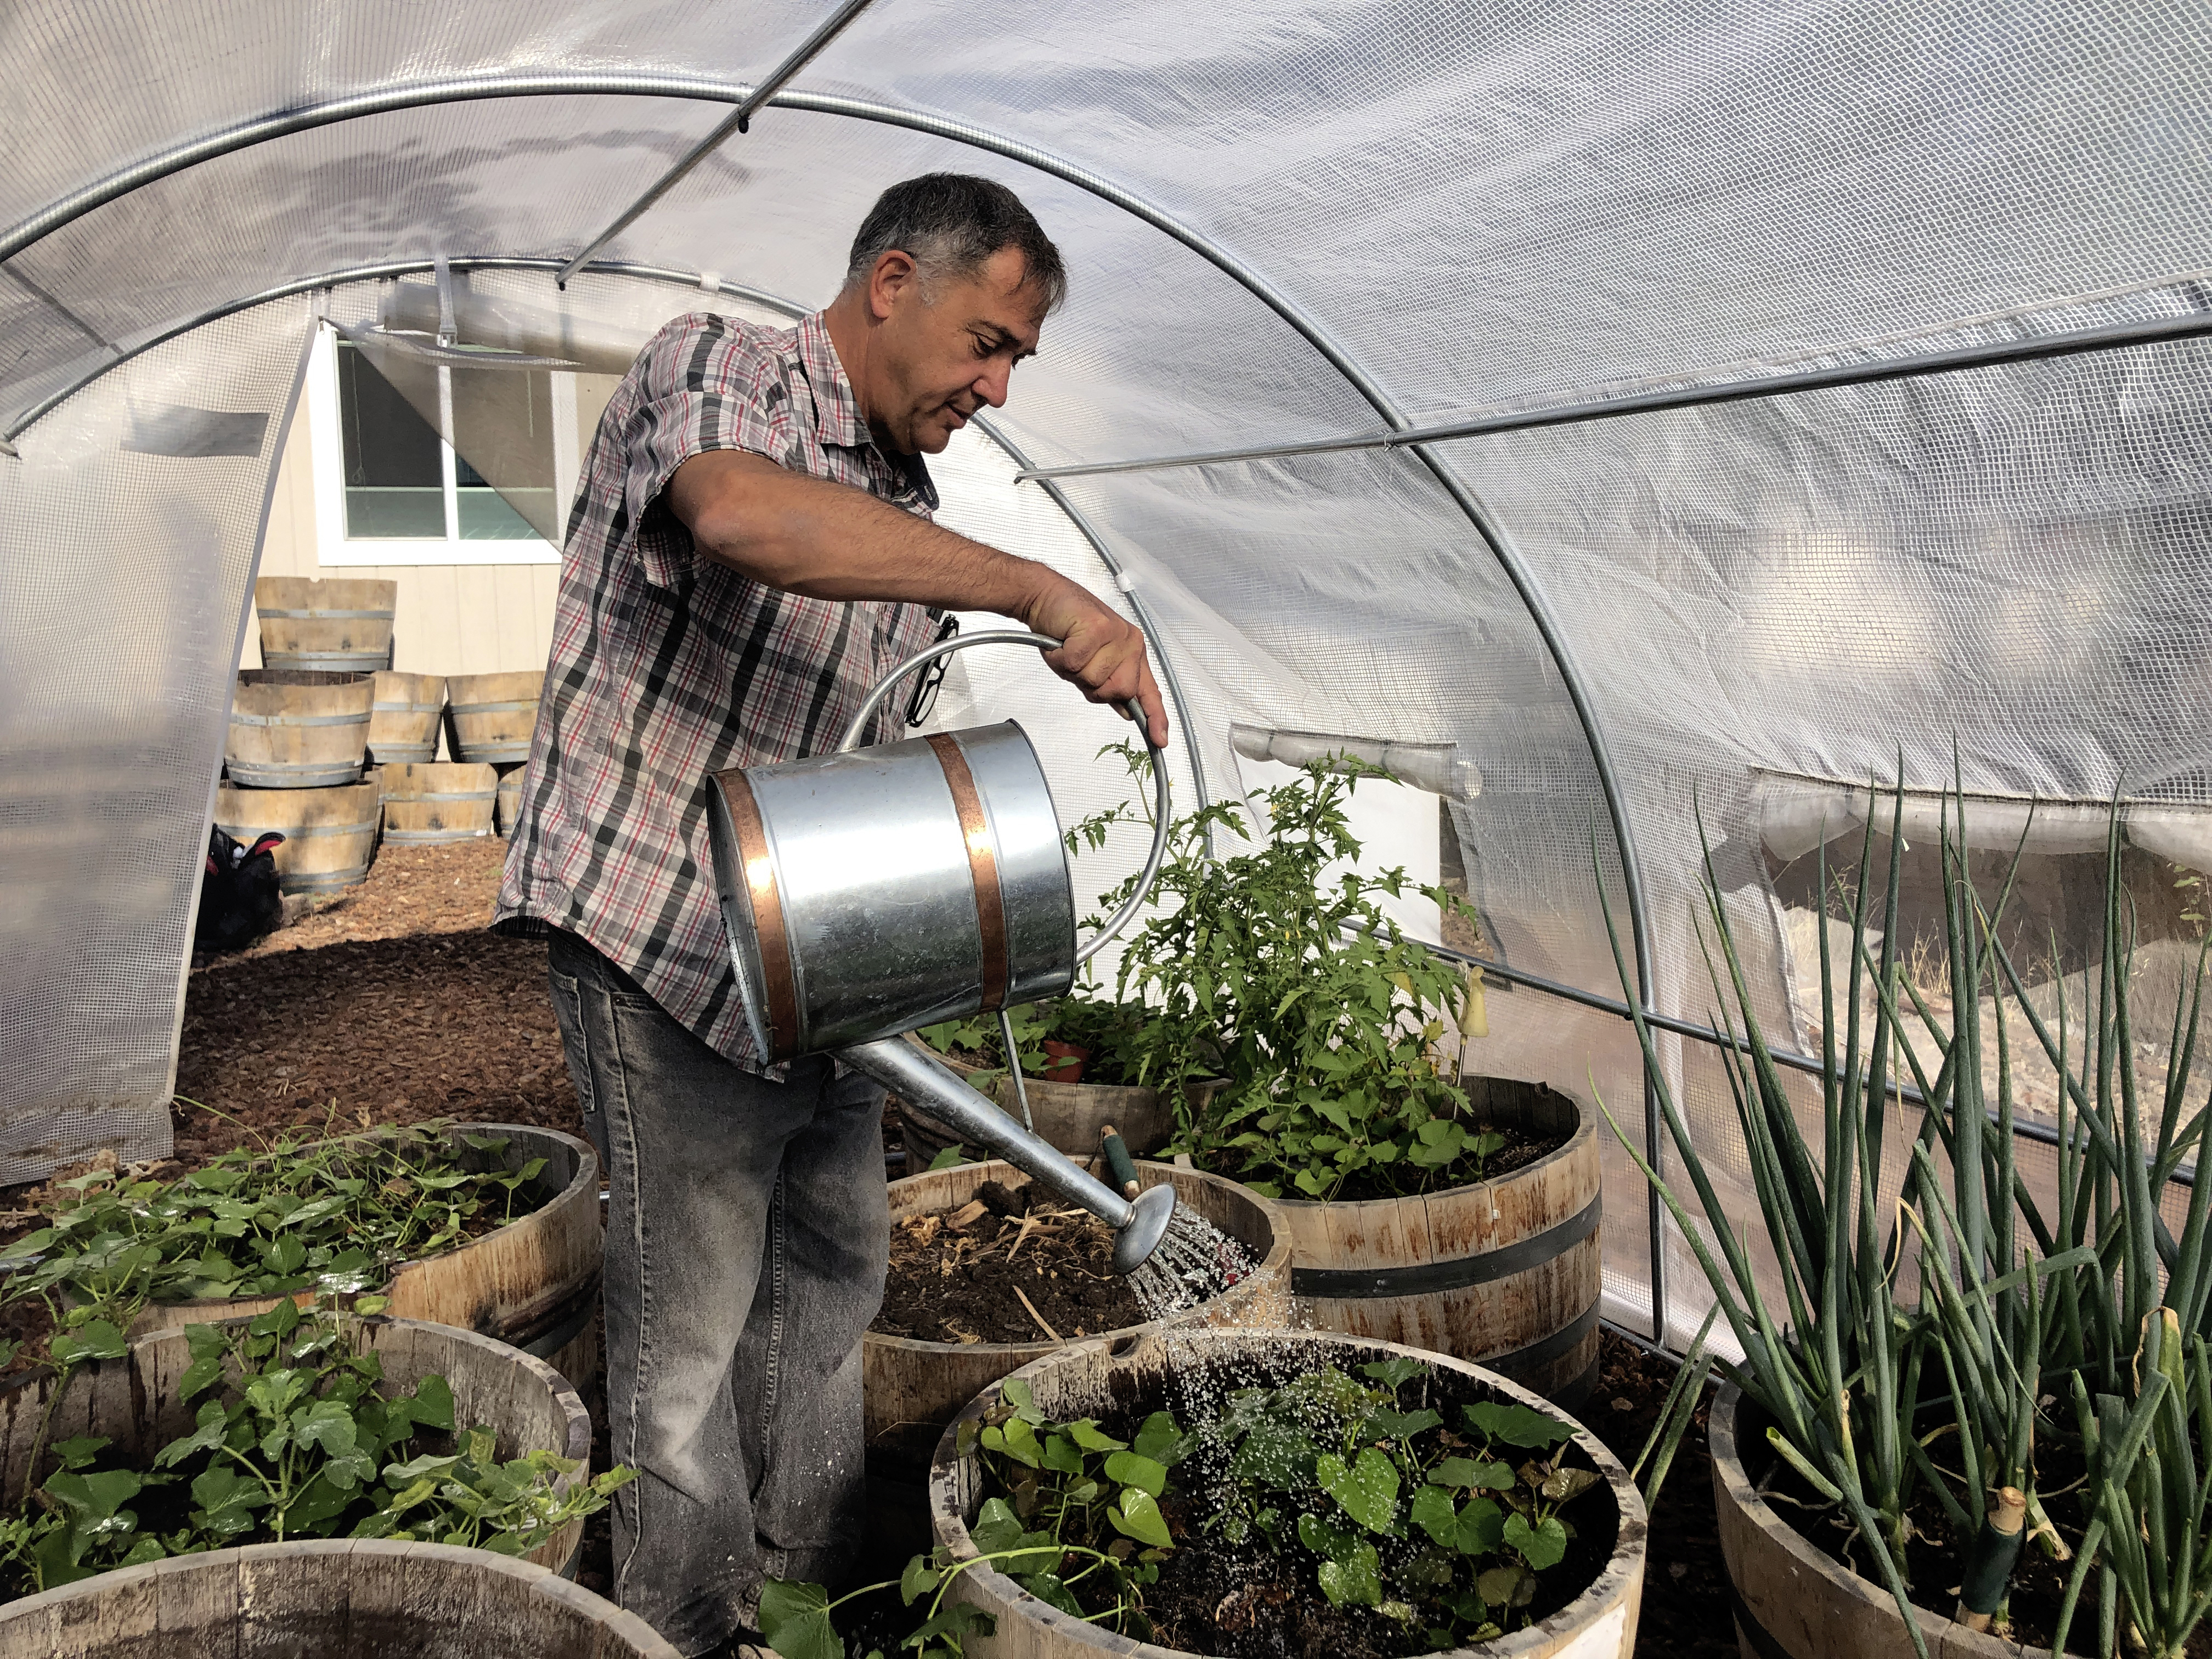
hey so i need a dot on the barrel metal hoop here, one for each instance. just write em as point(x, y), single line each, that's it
point(490, 707)
point(433, 837)
point(237, 719)
point(407, 708)
point(393, 795)
point(343, 662)
point(782, 987)
point(328, 616)
point(1427, 1278)
point(982, 866)
point(401, 754)
point(305, 832)
point(1519, 1362)
point(279, 775)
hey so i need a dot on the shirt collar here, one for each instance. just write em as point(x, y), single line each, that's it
point(838, 407)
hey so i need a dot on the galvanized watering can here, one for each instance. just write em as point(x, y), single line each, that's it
point(872, 891)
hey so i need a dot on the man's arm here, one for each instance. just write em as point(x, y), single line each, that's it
point(829, 541)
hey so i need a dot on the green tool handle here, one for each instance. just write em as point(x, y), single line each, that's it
point(1119, 1161)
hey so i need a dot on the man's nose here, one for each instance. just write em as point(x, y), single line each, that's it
point(992, 384)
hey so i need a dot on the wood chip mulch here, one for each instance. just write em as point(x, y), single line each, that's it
point(393, 1006)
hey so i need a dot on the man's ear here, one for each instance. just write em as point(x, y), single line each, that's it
point(894, 274)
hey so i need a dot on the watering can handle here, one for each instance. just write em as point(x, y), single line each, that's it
point(1121, 917)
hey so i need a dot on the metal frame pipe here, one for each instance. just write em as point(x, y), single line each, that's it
point(2118, 337)
point(738, 120)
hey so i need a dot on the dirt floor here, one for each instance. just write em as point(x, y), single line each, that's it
point(390, 1005)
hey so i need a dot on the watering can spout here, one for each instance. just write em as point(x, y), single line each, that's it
point(911, 1074)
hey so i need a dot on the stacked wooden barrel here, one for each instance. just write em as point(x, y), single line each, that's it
point(490, 718)
point(428, 803)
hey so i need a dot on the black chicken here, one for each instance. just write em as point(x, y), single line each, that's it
point(240, 900)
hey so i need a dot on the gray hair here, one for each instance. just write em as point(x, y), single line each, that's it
point(949, 224)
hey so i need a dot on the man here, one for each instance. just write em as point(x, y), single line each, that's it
point(750, 550)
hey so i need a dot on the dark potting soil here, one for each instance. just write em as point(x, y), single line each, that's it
point(955, 1275)
point(1248, 1601)
point(1933, 1555)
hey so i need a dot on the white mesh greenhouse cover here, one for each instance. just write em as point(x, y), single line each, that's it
point(1288, 224)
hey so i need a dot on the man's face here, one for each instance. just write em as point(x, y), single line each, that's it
point(941, 356)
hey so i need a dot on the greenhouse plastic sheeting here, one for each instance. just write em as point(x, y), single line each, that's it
point(1285, 222)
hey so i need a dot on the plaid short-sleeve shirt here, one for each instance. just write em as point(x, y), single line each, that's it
point(667, 665)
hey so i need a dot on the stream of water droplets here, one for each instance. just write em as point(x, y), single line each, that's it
point(1195, 1261)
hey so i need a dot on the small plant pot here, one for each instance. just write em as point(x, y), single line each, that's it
point(1791, 1601)
point(1069, 1061)
point(1110, 1377)
point(1503, 1273)
point(334, 1598)
point(533, 1283)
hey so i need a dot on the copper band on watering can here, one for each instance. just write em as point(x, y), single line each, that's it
point(982, 868)
point(781, 987)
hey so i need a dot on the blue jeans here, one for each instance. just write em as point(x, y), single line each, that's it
point(747, 1229)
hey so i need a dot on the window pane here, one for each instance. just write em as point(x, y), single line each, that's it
point(487, 516)
point(394, 487)
point(503, 453)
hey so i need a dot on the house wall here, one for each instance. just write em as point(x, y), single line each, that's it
point(451, 618)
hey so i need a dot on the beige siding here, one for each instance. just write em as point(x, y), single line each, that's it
point(452, 618)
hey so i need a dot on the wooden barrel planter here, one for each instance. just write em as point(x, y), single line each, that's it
point(1109, 1377)
point(1505, 1272)
point(297, 729)
point(1790, 1600)
point(343, 625)
point(133, 1402)
point(432, 802)
point(330, 834)
point(1068, 1114)
point(914, 1389)
point(330, 1598)
point(533, 1284)
point(491, 715)
point(403, 721)
point(509, 806)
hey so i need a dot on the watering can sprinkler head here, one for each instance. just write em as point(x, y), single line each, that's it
point(869, 891)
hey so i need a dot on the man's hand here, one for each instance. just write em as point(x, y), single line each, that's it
point(1099, 652)
point(830, 541)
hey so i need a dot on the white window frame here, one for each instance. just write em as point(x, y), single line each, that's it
point(327, 442)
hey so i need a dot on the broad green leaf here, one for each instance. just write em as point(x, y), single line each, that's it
point(1542, 1545)
point(326, 1424)
point(93, 1497)
point(96, 1339)
point(1061, 1454)
point(1398, 1425)
point(433, 1405)
point(794, 1619)
point(919, 1579)
point(1561, 1485)
point(1357, 1582)
point(1485, 1473)
point(78, 1454)
point(1367, 1489)
point(1393, 1374)
point(1160, 1439)
point(1017, 1393)
point(1435, 1513)
point(1132, 1470)
point(1324, 1539)
point(1482, 1527)
point(1089, 1436)
point(1516, 1424)
point(214, 1425)
point(997, 1526)
point(1048, 1588)
point(1135, 1514)
point(1508, 1586)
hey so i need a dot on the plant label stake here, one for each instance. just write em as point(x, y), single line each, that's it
point(869, 891)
